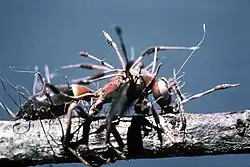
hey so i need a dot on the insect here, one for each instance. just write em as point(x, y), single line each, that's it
point(132, 83)
point(47, 105)
point(42, 104)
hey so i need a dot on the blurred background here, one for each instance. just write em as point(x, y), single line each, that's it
point(54, 32)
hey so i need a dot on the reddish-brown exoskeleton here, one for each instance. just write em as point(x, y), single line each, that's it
point(129, 85)
point(126, 86)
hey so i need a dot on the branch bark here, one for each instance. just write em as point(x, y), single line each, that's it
point(205, 134)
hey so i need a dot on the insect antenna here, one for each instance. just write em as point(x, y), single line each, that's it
point(197, 46)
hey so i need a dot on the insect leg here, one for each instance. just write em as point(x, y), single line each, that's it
point(9, 94)
point(119, 33)
point(86, 66)
point(16, 88)
point(158, 123)
point(218, 87)
point(47, 74)
point(114, 46)
point(68, 97)
point(117, 108)
point(86, 54)
point(11, 114)
point(95, 78)
point(154, 61)
point(68, 136)
point(159, 48)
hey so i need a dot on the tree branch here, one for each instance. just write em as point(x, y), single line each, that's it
point(205, 134)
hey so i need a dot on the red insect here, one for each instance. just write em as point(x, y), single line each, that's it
point(131, 84)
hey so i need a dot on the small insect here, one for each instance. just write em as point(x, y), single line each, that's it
point(42, 104)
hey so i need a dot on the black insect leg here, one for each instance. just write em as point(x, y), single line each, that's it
point(68, 136)
point(117, 136)
point(118, 107)
point(112, 129)
point(134, 137)
point(158, 123)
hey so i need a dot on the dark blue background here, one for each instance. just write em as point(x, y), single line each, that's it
point(53, 33)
